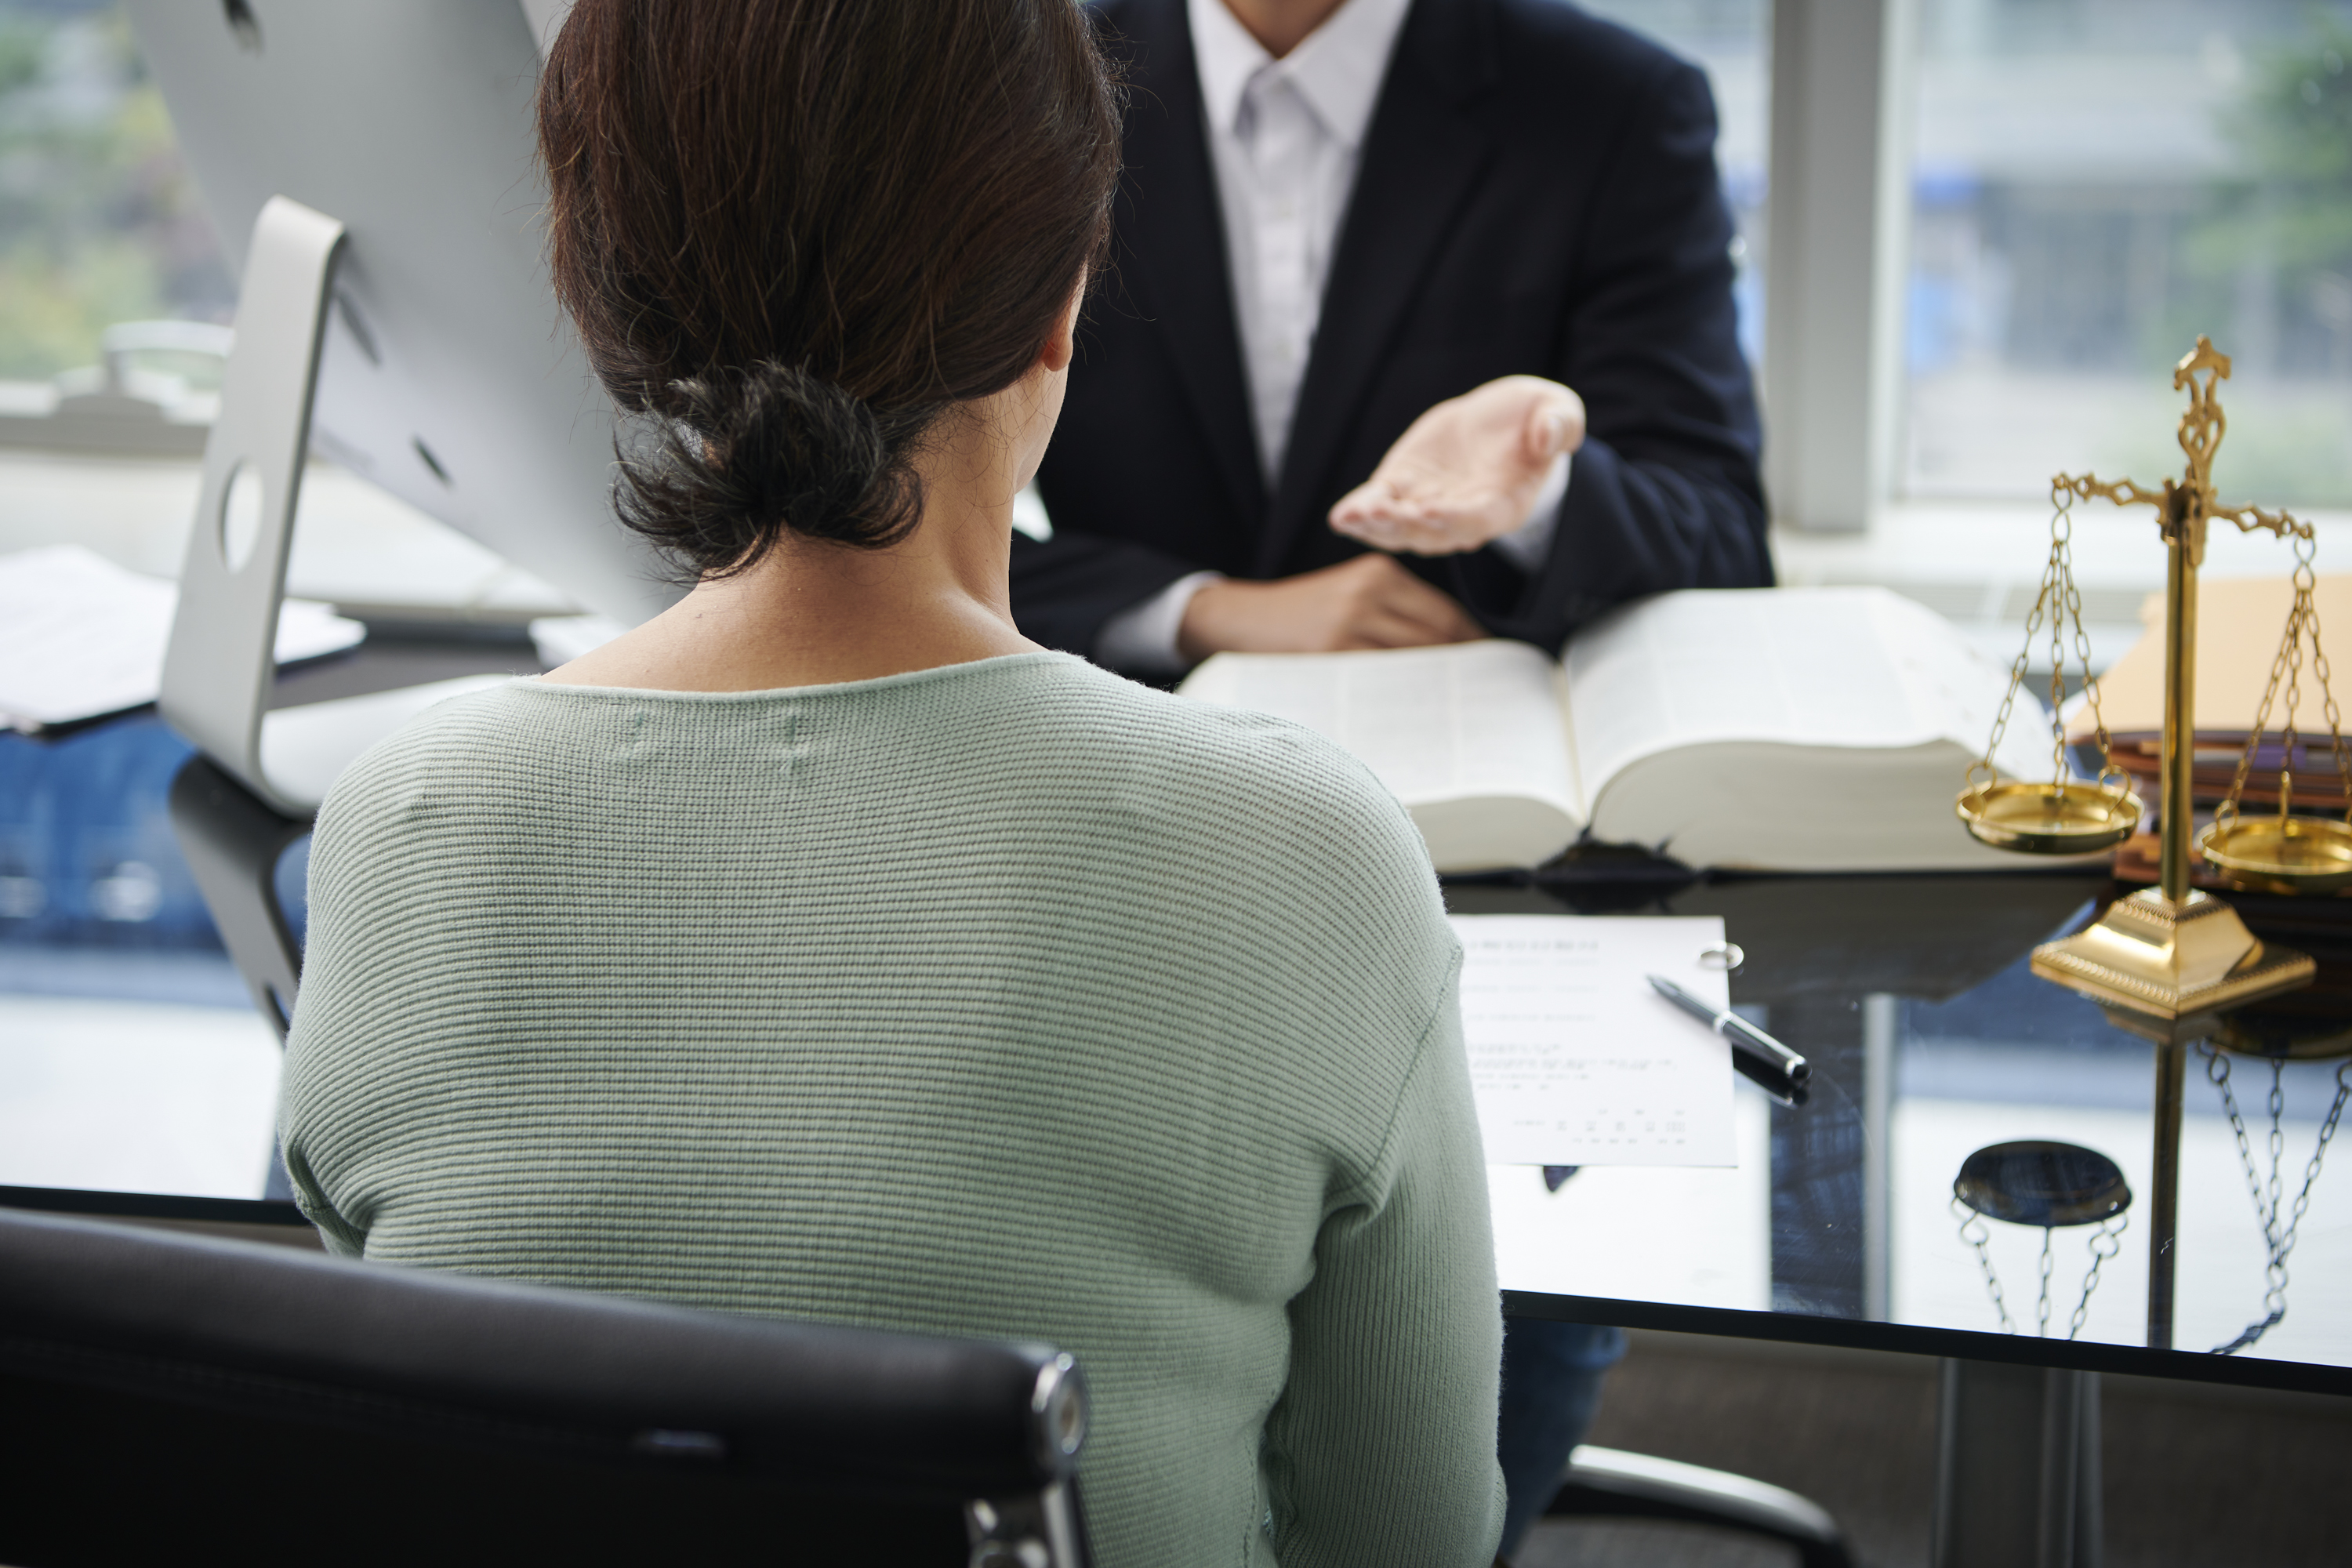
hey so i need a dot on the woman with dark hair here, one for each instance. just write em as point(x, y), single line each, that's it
point(824, 948)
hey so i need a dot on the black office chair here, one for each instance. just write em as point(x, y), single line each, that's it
point(1607, 1483)
point(175, 1398)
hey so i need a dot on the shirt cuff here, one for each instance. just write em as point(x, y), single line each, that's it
point(1141, 639)
point(1526, 546)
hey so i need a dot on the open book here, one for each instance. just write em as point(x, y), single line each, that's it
point(1796, 729)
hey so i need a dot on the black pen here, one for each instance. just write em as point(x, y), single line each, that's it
point(1743, 1035)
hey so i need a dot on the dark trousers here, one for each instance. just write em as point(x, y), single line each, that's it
point(1552, 1374)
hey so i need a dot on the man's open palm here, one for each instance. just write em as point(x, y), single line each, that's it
point(1468, 471)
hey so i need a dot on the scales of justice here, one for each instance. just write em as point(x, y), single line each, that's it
point(2172, 955)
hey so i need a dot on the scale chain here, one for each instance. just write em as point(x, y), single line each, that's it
point(2311, 1172)
point(2277, 1108)
point(2060, 586)
point(2059, 602)
point(1976, 1232)
point(2228, 811)
point(2288, 735)
point(2106, 1242)
point(2042, 1302)
point(2303, 619)
point(2082, 652)
point(2016, 675)
point(2306, 581)
point(2278, 1241)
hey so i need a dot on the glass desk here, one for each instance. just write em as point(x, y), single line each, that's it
point(1929, 1040)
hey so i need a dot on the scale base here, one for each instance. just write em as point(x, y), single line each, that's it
point(2151, 956)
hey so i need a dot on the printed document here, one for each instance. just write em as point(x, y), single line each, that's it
point(1575, 1059)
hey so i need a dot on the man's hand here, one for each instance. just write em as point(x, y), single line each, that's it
point(1466, 471)
point(1370, 601)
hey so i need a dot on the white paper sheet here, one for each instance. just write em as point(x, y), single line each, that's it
point(1575, 1060)
point(1702, 1238)
point(81, 637)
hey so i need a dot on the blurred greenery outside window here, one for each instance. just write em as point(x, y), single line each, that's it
point(2095, 183)
point(99, 219)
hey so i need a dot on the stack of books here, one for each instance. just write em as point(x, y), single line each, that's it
point(2240, 624)
point(2318, 785)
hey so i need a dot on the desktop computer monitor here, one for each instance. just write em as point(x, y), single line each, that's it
point(447, 374)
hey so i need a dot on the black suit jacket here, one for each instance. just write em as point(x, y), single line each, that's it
point(1536, 192)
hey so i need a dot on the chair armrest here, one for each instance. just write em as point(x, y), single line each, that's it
point(1610, 1482)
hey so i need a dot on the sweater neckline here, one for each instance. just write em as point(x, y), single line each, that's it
point(968, 669)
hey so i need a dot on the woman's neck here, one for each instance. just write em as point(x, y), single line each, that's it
point(812, 613)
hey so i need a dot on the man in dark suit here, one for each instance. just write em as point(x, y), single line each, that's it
point(1535, 258)
point(1419, 328)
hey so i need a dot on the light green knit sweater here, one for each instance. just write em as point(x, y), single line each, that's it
point(1009, 998)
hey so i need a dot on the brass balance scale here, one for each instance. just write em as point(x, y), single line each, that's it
point(2172, 953)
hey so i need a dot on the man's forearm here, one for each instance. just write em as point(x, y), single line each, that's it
point(1527, 545)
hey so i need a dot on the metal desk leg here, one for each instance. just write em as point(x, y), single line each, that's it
point(2017, 1482)
point(2164, 1200)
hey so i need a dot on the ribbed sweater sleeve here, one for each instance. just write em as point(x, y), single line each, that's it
point(1381, 1449)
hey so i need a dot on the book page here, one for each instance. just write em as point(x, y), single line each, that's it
point(1479, 718)
point(1814, 729)
point(1575, 1059)
point(1470, 737)
point(1854, 668)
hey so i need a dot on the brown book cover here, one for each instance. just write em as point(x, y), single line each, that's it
point(2318, 786)
point(2240, 622)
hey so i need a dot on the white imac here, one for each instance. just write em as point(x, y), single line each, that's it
point(369, 166)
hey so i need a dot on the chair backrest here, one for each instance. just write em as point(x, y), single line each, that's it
point(165, 1397)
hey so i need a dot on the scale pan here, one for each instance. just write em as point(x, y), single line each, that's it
point(2050, 819)
point(2044, 1183)
point(2257, 1032)
point(2280, 854)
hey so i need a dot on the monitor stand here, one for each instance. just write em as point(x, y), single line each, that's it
point(221, 661)
point(262, 773)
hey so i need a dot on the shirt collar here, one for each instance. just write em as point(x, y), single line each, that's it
point(1336, 69)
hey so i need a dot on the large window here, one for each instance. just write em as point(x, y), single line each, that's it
point(2096, 181)
point(98, 222)
point(130, 1054)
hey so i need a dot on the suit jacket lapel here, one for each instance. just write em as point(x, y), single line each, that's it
point(1423, 155)
point(1171, 251)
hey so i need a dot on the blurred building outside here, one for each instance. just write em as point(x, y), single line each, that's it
point(2093, 183)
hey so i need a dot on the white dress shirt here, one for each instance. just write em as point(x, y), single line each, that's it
point(1284, 138)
